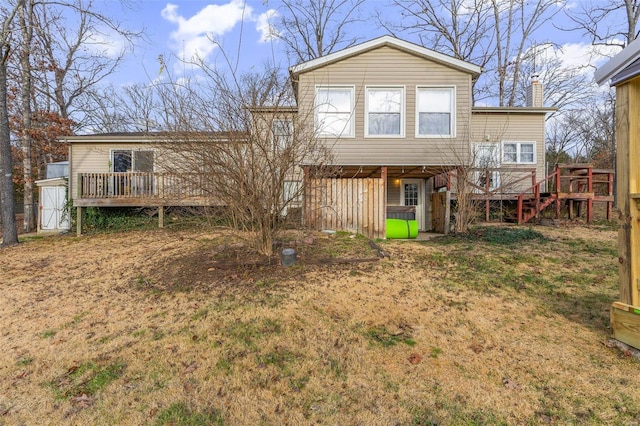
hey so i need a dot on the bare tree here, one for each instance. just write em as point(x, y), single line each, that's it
point(243, 138)
point(610, 23)
point(57, 62)
point(563, 138)
point(494, 34)
point(314, 28)
point(26, 24)
point(77, 55)
point(133, 108)
point(565, 86)
point(516, 21)
point(460, 28)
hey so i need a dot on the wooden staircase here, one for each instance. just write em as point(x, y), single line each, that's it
point(572, 183)
point(532, 201)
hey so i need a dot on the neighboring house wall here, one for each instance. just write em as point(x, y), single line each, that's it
point(390, 67)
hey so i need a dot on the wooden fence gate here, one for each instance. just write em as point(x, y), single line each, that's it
point(347, 204)
point(440, 202)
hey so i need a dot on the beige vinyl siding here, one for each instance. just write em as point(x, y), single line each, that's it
point(95, 158)
point(388, 66)
point(393, 192)
point(496, 127)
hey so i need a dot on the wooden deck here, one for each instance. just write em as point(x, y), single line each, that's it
point(573, 184)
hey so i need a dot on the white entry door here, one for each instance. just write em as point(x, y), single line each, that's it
point(53, 214)
point(412, 194)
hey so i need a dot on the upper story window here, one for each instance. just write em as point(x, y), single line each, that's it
point(519, 152)
point(282, 130)
point(385, 110)
point(435, 115)
point(334, 111)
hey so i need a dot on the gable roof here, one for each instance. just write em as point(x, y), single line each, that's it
point(390, 42)
point(619, 63)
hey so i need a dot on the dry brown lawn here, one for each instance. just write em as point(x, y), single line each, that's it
point(186, 327)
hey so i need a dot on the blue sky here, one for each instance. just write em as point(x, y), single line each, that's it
point(179, 29)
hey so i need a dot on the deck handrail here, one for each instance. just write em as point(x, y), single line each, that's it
point(528, 174)
point(141, 185)
point(535, 189)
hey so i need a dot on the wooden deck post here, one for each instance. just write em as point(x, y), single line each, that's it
point(79, 221)
point(447, 212)
point(590, 191)
point(627, 116)
point(383, 213)
point(161, 217)
point(610, 193)
point(558, 186)
point(625, 321)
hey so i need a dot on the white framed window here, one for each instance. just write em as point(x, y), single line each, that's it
point(435, 112)
point(334, 111)
point(518, 152)
point(385, 111)
point(486, 156)
point(282, 130)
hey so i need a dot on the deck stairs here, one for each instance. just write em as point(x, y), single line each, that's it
point(533, 201)
point(574, 184)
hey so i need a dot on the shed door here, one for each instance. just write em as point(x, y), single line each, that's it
point(53, 214)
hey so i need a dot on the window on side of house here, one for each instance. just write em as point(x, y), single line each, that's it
point(518, 152)
point(385, 111)
point(486, 158)
point(292, 191)
point(334, 111)
point(282, 130)
point(435, 112)
point(126, 160)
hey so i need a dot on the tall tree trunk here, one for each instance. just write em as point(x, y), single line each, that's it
point(26, 25)
point(7, 206)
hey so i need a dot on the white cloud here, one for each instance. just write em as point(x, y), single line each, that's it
point(265, 27)
point(577, 54)
point(106, 43)
point(193, 38)
point(583, 57)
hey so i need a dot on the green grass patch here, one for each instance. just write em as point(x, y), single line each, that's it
point(279, 358)
point(25, 238)
point(85, 379)
point(200, 314)
point(496, 235)
point(48, 333)
point(248, 332)
point(181, 414)
point(24, 361)
point(382, 336)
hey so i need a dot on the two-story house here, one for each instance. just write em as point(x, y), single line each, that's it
point(400, 122)
point(400, 119)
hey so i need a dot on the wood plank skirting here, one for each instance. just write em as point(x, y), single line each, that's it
point(347, 204)
point(625, 323)
point(142, 189)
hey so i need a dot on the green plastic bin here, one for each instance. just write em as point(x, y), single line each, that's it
point(402, 229)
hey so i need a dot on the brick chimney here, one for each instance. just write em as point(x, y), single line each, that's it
point(535, 93)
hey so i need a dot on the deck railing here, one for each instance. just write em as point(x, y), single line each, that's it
point(135, 185)
point(510, 179)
